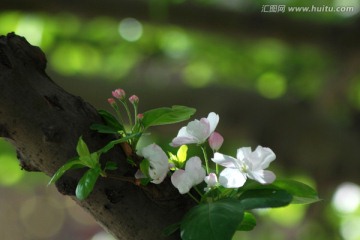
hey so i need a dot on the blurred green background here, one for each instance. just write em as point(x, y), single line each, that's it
point(287, 80)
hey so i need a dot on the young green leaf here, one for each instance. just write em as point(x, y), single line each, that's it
point(181, 155)
point(81, 148)
point(91, 160)
point(164, 115)
point(212, 221)
point(110, 165)
point(87, 182)
point(111, 121)
point(144, 167)
point(248, 223)
point(111, 144)
point(71, 164)
point(103, 128)
point(264, 198)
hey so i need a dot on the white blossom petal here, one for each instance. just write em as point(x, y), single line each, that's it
point(262, 176)
point(243, 153)
point(213, 119)
point(193, 174)
point(232, 178)
point(224, 160)
point(197, 131)
point(139, 174)
point(178, 141)
point(194, 170)
point(266, 155)
point(158, 160)
point(181, 181)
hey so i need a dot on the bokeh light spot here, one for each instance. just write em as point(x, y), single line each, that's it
point(130, 29)
point(197, 74)
point(346, 198)
point(41, 218)
point(80, 59)
point(175, 44)
point(347, 8)
point(289, 216)
point(271, 85)
point(102, 236)
point(10, 172)
point(31, 27)
point(349, 228)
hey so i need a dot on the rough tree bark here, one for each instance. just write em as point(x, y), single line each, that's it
point(44, 123)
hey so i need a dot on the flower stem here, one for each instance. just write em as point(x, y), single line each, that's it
point(198, 191)
point(127, 112)
point(118, 114)
point(203, 148)
point(194, 198)
point(135, 117)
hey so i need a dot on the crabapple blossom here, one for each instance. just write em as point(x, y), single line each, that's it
point(196, 131)
point(193, 174)
point(211, 181)
point(140, 116)
point(215, 141)
point(111, 101)
point(158, 160)
point(119, 93)
point(247, 164)
point(134, 99)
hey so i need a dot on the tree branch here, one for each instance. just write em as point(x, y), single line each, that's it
point(44, 123)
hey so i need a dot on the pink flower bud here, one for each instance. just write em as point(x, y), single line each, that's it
point(111, 101)
point(119, 93)
point(140, 116)
point(211, 180)
point(215, 141)
point(134, 99)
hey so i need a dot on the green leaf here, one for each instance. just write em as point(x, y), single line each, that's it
point(90, 161)
point(87, 182)
point(82, 148)
point(71, 164)
point(110, 165)
point(111, 144)
point(111, 121)
point(212, 221)
point(171, 229)
point(103, 128)
point(144, 167)
point(248, 223)
point(164, 115)
point(144, 181)
point(302, 193)
point(264, 198)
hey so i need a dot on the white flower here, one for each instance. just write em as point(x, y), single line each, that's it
point(193, 174)
point(196, 131)
point(211, 181)
point(158, 160)
point(247, 164)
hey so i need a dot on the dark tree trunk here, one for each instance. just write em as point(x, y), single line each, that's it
point(44, 123)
